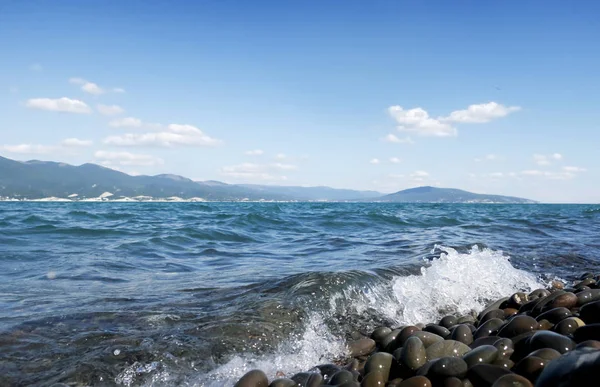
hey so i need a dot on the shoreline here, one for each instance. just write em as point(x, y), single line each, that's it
point(544, 338)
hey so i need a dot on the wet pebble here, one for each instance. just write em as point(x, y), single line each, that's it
point(547, 339)
point(484, 375)
point(590, 312)
point(254, 378)
point(437, 329)
point(380, 333)
point(512, 380)
point(576, 368)
point(361, 347)
point(463, 334)
point(447, 367)
point(413, 354)
point(283, 382)
point(487, 328)
point(416, 381)
point(484, 354)
point(373, 379)
point(379, 362)
point(530, 367)
point(445, 348)
point(448, 321)
point(518, 325)
point(428, 338)
point(555, 315)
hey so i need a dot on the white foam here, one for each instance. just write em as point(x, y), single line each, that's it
point(316, 345)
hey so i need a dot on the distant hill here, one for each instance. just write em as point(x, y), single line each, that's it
point(40, 179)
point(446, 195)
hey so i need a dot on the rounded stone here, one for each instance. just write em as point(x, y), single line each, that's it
point(380, 333)
point(466, 319)
point(254, 378)
point(389, 339)
point(494, 305)
point(445, 367)
point(566, 300)
point(518, 299)
point(327, 370)
point(567, 326)
point(585, 282)
point(589, 344)
point(587, 332)
point(576, 368)
point(340, 377)
point(547, 354)
point(394, 383)
point(374, 379)
point(587, 296)
point(586, 275)
point(401, 338)
point(463, 334)
point(547, 339)
point(361, 347)
point(437, 329)
point(494, 313)
point(484, 375)
point(486, 354)
point(308, 379)
point(428, 338)
point(487, 328)
point(488, 340)
point(445, 348)
point(530, 367)
point(529, 305)
point(513, 380)
point(555, 315)
point(509, 312)
point(416, 381)
point(452, 382)
point(518, 325)
point(590, 312)
point(448, 321)
point(379, 362)
point(284, 382)
point(504, 345)
point(412, 354)
point(504, 363)
point(538, 293)
point(545, 325)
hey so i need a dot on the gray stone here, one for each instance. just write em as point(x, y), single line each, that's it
point(413, 355)
point(486, 354)
point(450, 348)
point(445, 367)
point(254, 378)
point(463, 334)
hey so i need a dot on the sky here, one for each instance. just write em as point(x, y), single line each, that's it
point(490, 97)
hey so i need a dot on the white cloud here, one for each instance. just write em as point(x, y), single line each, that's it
point(91, 87)
point(36, 67)
point(64, 104)
point(544, 160)
point(419, 176)
point(254, 152)
point(417, 120)
point(396, 176)
point(127, 159)
point(75, 142)
point(252, 172)
point(170, 136)
point(109, 110)
point(126, 122)
point(488, 157)
point(480, 113)
point(374, 161)
point(395, 139)
point(394, 160)
point(118, 90)
point(573, 169)
point(32, 149)
point(496, 175)
point(284, 167)
point(280, 156)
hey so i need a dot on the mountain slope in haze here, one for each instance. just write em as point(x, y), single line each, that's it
point(446, 195)
point(39, 179)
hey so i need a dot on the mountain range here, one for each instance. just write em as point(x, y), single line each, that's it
point(41, 179)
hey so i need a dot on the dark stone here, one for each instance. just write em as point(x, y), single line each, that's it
point(352, 365)
point(538, 293)
point(530, 367)
point(448, 348)
point(512, 380)
point(567, 326)
point(380, 362)
point(448, 321)
point(437, 329)
point(487, 328)
point(585, 282)
point(284, 382)
point(494, 313)
point(589, 344)
point(504, 362)
point(488, 340)
point(586, 276)
point(517, 300)
point(529, 305)
point(394, 383)
point(541, 306)
point(425, 369)
point(590, 312)
point(390, 339)
point(566, 300)
point(308, 379)
point(504, 346)
point(416, 381)
point(326, 370)
point(374, 379)
point(509, 312)
point(547, 354)
point(452, 382)
point(380, 333)
point(554, 315)
point(254, 378)
point(467, 319)
point(576, 368)
point(484, 354)
point(428, 338)
point(463, 334)
point(446, 367)
point(484, 375)
point(545, 325)
point(494, 305)
point(587, 332)
point(401, 338)
point(518, 325)
point(588, 296)
point(412, 354)
point(361, 347)
point(340, 377)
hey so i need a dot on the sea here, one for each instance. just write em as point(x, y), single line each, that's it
point(197, 294)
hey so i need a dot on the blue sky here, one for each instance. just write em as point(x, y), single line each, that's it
point(492, 97)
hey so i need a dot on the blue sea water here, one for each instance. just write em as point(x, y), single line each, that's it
point(196, 294)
